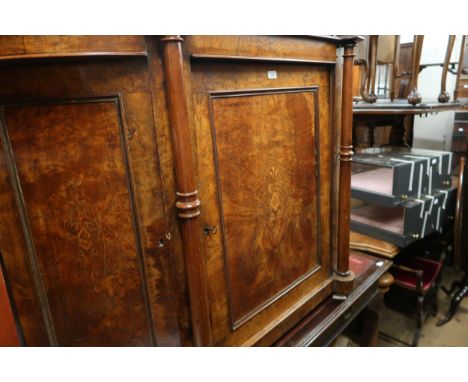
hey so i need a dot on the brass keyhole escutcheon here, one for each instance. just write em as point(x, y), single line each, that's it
point(210, 230)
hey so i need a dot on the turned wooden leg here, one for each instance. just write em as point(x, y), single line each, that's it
point(371, 315)
point(419, 320)
point(385, 282)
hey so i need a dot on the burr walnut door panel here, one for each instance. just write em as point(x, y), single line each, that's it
point(81, 212)
point(264, 163)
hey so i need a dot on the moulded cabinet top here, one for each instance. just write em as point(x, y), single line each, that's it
point(278, 48)
point(306, 49)
point(25, 47)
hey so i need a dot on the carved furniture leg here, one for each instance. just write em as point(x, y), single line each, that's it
point(455, 303)
point(444, 95)
point(368, 92)
point(460, 67)
point(414, 97)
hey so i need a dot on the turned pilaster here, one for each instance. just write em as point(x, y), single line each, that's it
point(187, 201)
point(344, 278)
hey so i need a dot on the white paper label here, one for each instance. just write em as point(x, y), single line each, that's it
point(272, 74)
point(465, 86)
point(460, 129)
point(434, 161)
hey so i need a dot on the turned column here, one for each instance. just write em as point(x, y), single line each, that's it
point(188, 203)
point(344, 278)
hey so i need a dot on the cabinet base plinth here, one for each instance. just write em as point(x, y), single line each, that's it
point(343, 285)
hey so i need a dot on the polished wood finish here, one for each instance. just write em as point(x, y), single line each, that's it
point(369, 95)
point(372, 245)
point(173, 191)
point(55, 176)
point(414, 97)
point(252, 209)
point(380, 50)
point(263, 48)
point(367, 63)
point(344, 278)
point(56, 168)
point(280, 212)
point(34, 47)
point(188, 203)
point(404, 73)
point(462, 64)
point(444, 95)
point(461, 218)
point(399, 107)
point(118, 218)
point(331, 317)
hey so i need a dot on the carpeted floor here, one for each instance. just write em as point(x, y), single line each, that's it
point(454, 333)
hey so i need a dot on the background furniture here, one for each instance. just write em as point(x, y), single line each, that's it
point(322, 326)
point(390, 70)
point(461, 87)
point(459, 289)
point(460, 139)
point(419, 278)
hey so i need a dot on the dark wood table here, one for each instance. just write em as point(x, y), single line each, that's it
point(332, 317)
point(402, 107)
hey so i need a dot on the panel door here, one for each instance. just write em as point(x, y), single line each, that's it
point(82, 224)
point(263, 153)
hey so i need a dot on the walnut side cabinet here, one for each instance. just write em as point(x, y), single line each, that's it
point(168, 190)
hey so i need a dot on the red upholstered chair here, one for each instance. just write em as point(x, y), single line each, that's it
point(419, 277)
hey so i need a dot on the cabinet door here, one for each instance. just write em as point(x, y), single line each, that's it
point(263, 137)
point(82, 226)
